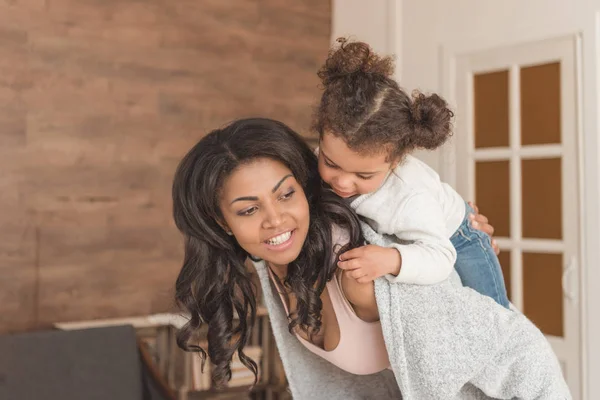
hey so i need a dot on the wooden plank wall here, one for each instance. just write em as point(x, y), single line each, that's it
point(99, 99)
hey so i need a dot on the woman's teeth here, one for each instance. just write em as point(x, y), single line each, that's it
point(284, 237)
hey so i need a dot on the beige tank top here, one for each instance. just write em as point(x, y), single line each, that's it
point(361, 349)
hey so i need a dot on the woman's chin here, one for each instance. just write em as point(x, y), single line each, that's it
point(282, 258)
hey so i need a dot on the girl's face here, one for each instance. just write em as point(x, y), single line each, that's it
point(266, 210)
point(348, 172)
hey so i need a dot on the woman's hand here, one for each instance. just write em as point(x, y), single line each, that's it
point(481, 223)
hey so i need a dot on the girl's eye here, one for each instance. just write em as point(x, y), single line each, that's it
point(288, 195)
point(365, 178)
point(248, 211)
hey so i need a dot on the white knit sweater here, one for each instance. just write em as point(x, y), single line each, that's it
point(422, 212)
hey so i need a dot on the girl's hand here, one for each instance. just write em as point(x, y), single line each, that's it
point(367, 263)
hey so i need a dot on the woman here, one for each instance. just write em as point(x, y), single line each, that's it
point(252, 190)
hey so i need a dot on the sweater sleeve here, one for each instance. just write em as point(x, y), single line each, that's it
point(430, 256)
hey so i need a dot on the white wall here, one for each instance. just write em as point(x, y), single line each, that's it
point(370, 21)
point(418, 31)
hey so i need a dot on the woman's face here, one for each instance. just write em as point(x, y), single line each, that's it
point(266, 210)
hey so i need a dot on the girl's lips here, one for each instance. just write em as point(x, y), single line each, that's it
point(343, 194)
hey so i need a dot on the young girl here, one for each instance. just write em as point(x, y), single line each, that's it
point(368, 126)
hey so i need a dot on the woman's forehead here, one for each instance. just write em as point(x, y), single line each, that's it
point(256, 178)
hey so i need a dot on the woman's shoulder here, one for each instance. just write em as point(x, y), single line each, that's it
point(360, 295)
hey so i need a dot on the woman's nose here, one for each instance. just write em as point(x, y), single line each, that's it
point(273, 217)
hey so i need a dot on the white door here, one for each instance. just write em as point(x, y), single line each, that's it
point(516, 155)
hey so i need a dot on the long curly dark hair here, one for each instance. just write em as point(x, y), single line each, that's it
point(214, 283)
point(364, 105)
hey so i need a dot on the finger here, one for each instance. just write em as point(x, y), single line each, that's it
point(495, 247)
point(349, 265)
point(357, 274)
point(485, 228)
point(350, 254)
point(474, 207)
point(480, 218)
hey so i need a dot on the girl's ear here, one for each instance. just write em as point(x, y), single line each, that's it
point(395, 162)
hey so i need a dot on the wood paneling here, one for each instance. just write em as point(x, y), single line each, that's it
point(542, 291)
point(98, 102)
point(492, 193)
point(541, 184)
point(540, 104)
point(491, 103)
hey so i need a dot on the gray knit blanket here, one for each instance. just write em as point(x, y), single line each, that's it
point(444, 341)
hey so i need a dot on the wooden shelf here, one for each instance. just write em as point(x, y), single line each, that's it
point(174, 366)
point(146, 321)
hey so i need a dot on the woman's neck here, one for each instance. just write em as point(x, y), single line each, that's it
point(280, 271)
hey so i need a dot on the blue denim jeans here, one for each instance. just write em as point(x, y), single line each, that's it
point(476, 263)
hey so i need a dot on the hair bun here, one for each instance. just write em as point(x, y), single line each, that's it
point(352, 57)
point(432, 120)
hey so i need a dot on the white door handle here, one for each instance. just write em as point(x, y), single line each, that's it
point(566, 282)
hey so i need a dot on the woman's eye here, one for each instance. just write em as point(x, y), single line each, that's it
point(288, 195)
point(246, 212)
point(329, 165)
